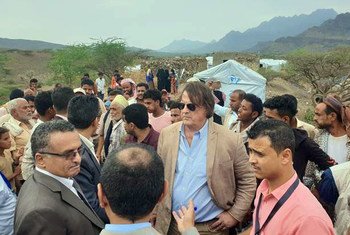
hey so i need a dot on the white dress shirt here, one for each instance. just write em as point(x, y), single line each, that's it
point(65, 181)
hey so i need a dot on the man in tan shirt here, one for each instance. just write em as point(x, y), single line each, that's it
point(19, 125)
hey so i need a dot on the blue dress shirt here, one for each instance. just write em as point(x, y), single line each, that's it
point(191, 176)
point(125, 228)
point(7, 208)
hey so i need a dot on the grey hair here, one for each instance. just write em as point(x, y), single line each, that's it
point(41, 136)
point(12, 104)
point(240, 93)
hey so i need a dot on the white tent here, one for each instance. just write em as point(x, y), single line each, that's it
point(275, 65)
point(234, 75)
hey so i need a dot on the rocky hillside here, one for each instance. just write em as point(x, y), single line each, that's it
point(330, 34)
point(267, 31)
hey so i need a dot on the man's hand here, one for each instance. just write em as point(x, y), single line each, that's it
point(17, 170)
point(17, 154)
point(225, 221)
point(185, 217)
point(153, 219)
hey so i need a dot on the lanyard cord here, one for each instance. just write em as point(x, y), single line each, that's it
point(278, 205)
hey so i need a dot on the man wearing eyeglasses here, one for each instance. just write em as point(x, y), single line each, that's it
point(84, 113)
point(204, 162)
point(50, 201)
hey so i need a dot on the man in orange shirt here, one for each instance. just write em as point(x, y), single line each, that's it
point(283, 205)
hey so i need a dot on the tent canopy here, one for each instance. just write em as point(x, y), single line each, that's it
point(233, 76)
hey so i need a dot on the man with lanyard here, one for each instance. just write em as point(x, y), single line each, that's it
point(283, 205)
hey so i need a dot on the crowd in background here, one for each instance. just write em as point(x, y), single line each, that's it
point(170, 159)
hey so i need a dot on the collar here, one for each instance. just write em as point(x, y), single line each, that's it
point(236, 126)
point(151, 132)
point(87, 141)
point(299, 123)
point(63, 117)
point(116, 124)
point(278, 192)
point(39, 121)
point(20, 124)
point(65, 181)
point(124, 228)
point(14, 121)
point(202, 132)
point(323, 133)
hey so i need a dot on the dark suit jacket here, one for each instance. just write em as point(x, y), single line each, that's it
point(306, 150)
point(57, 118)
point(45, 206)
point(88, 178)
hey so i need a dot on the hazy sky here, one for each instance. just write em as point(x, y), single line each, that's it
point(145, 23)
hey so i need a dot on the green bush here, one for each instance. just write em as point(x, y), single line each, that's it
point(309, 116)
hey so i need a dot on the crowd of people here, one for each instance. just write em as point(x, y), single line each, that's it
point(132, 159)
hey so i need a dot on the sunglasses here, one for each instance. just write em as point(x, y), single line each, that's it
point(67, 155)
point(190, 106)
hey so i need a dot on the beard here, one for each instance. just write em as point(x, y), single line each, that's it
point(323, 126)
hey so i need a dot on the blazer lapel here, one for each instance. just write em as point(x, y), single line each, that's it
point(175, 136)
point(69, 197)
point(211, 148)
point(91, 156)
point(72, 199)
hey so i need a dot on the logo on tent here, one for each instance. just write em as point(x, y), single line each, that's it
point(234, 79)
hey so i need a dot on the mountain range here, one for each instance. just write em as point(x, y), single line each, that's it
point(320, 30)
point(332, 33)
point(23, 44)
point(267, 31)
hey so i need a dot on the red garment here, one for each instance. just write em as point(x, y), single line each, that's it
point(151, 139)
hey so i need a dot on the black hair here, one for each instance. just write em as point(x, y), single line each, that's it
point(132, 179)
point(284, 104)
point(60, 98)
point(87, 81)
point(115, 92)
point(29, 98)
point(174, 105)
point(43, 101)
point(280, 134)
point(137, 114)
point(16, 93)
point(3, 130)
point(40, 138)
point(143, 84)
point(33, 80)
point(154, 95)
point(83, 110)
point(256, 102)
